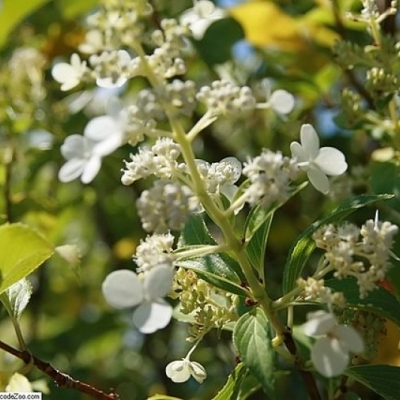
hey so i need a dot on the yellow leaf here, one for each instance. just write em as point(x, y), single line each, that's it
point(266, 25)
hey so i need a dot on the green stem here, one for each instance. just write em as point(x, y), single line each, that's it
point(231, 241)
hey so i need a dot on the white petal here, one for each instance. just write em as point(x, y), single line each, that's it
point(73, 147)
point(64, 72)
point(329, 357)
point(298, 152)
point(235, 164)
point(319, 323)
point(110, 83)
point(198, 371)
point(318, 179)
point(69, 84)
point(149, 317)
point(71, 170)
point(122, 289)
point(178, 371)
point(349, 338)
point(204, 8)
point(109, 145)
point(331, 161)
point(91, 169)
point(100, 128)
point(282, 101)
point(158, 282)
point(309, 140)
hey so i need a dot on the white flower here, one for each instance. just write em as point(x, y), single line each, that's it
point(180, 371)
point(82, 159)
point(84, 153)
point(330, 353)
point(69, 75)
point(124, 289)
point(200, 17)
point(281, 101)
point(318, 162)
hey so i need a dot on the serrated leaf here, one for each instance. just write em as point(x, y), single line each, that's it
point(304, 245)
point(252, 339)
point(195, 232)
point(379, 301)
point(22, 250)
point(232, 386)
point(382, 379)
point(256, 248)
point(216, 269)
point(16, 298)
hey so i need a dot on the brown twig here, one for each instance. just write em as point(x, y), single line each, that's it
point(59, 378)
point(305, 375)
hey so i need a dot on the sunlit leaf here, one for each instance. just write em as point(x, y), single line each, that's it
point(13, 12)
point(16, 298)
point(22, 250)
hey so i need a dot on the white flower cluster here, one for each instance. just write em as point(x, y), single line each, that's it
point(223, 97)
point(220, 176)
point(330, 353)
point(115, 23)
point(362, 253)
point(125, 289)
point(155, 250)
point(270, 175)
point(166, 59)
point(166, 206)
point(159, 161)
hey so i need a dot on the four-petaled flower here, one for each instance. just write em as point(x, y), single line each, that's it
point(330, 352)
point(125, 289)
point(318, 162)
point(180, 371)
point(102, 136)
point(69, 75)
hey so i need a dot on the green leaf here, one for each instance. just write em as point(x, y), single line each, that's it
point(304, 245)
point(22, 250)
point(256, 248)
point(382, 379)
point(74, 8)
point(258, 215)
point(252, 338)
point(232, 386)
point(163, 397)
point(195, 232)
point(16, 298)
point(385, 178)
point(13, 12)
point(215, 47)
point(217, 269)
point(379, 301)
